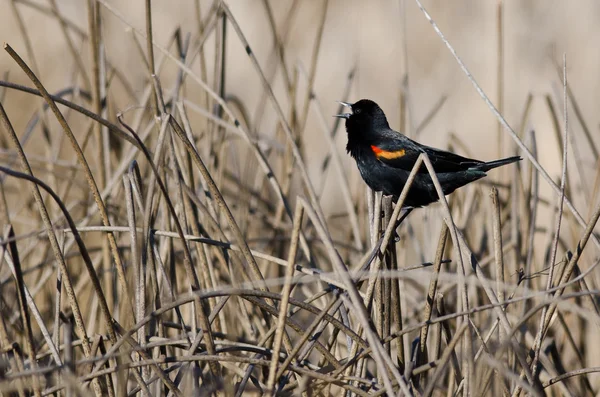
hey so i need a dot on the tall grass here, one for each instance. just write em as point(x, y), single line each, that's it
point(168, 229)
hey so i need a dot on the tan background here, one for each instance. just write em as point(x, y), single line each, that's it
point(370, 37)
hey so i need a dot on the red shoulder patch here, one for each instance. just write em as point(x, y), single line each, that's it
point(388, 155)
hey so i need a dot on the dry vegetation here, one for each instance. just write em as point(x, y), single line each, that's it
point(179, 216)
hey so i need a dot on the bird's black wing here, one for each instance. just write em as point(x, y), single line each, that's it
point(444, 161)
point(401, 152)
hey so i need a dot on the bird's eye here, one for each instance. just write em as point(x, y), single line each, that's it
point(357, 111)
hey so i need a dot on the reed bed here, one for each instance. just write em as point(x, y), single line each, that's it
point(164, 235)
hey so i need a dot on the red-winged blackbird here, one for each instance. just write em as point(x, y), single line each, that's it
point(385, 158)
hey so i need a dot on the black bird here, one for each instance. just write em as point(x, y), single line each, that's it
point(385, 158)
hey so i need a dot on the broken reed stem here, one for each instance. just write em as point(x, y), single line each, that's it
point(150, 49)
point(25, 318)
point(431, 293)
point(498, 247)
point(392, 297)
point(285, 294)
point(499, 262)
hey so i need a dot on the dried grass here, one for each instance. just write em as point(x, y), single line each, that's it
point(163, 240)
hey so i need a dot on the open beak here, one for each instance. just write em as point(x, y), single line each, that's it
point(344, 115)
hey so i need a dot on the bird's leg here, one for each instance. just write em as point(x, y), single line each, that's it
point(407, 211)
point(399, 222)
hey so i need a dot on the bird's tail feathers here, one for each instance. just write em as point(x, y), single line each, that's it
point(498, 163)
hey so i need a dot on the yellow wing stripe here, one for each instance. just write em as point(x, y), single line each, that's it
point(380, 153)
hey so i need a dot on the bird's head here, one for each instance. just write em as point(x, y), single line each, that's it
point(365, 118)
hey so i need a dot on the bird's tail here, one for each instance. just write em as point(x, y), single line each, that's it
point(498, 163)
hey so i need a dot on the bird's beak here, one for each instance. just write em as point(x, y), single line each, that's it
point(344, 115)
